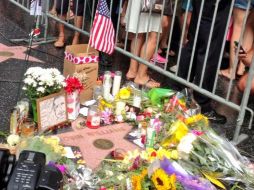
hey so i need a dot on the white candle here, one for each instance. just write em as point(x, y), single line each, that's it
point(117, 82)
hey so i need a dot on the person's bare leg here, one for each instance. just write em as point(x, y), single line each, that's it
point(166, 22)
point(78, 21)
point(135, 49)
point(238, 17)
point(53, 9)
point(61, 38)
point(146, 53)
point(189, 13)
point(242, 84)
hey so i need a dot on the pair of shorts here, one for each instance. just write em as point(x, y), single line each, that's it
point(62, 7)
point(168, 9)
point(241, 4)
point(185, 4)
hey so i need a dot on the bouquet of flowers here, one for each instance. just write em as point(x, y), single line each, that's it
point(39, 82)
point(73, 84)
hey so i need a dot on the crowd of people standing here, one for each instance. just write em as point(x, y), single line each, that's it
point(149, 27)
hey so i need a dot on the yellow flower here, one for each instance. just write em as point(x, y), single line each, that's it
point(124, 93)
point(196, 118)
point(174, 154)
point(136, 182)
point(162, 181)
point(144, 173)
point(177, 131)
point(161, 153)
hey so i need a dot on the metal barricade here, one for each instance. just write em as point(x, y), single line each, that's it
point(88, 11)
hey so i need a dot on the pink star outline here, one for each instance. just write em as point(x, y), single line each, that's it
point(84, 138)
point(18, 51)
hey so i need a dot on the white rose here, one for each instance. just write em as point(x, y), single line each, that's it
point(13, 140)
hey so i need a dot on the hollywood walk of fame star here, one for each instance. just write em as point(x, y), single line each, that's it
point(84, 138)
point(16, 52)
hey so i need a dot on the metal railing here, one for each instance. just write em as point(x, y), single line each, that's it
point(115, 6)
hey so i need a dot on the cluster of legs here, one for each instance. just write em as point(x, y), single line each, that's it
point(139, 47)
point(62, 7)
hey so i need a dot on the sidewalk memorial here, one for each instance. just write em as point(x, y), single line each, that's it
point(154, 139)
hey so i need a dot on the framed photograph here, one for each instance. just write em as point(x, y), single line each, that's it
point(51, 110)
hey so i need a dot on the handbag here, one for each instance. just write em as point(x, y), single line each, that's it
point(156, 6)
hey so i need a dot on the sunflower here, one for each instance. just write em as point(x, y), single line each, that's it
point(136, 182)
point(162, 181)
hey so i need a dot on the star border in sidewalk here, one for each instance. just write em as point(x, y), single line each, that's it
point(84, 138)
point(18, 52)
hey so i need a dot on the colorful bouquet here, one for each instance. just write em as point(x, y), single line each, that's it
point(39, 82)
point(73, 84)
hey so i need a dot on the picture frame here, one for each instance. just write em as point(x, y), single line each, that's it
point(51, 110)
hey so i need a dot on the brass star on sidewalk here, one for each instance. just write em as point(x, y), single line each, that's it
point(16, 52)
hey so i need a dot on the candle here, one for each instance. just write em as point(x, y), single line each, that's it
point(117, 82)
point(107, 83)
point(137, 99)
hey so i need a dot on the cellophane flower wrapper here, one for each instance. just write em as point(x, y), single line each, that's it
point(81, 178)
point(220, 158)
point(188, 181)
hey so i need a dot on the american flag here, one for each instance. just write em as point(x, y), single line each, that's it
point(102, 35)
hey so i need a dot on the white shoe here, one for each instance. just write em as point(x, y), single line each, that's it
point(173, 68)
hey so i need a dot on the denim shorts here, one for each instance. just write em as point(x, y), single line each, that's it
point(241, 4)
point(184, 5)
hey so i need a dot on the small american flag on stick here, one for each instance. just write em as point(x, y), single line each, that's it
point(102, 35)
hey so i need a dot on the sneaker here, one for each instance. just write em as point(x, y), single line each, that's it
point(173, 69)
point(214, 117)
point(158, 59)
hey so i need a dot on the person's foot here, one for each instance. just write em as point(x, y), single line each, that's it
point(226, 73)
point(215, 117)
point(148, 82)
point(158, 59)
point(53, 12)
point(59, 43)
point(131, 75)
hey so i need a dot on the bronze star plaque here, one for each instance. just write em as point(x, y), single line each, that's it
point(103, 144)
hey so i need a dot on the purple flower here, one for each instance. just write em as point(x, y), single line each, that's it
point(188, 181)
point(62, 168)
